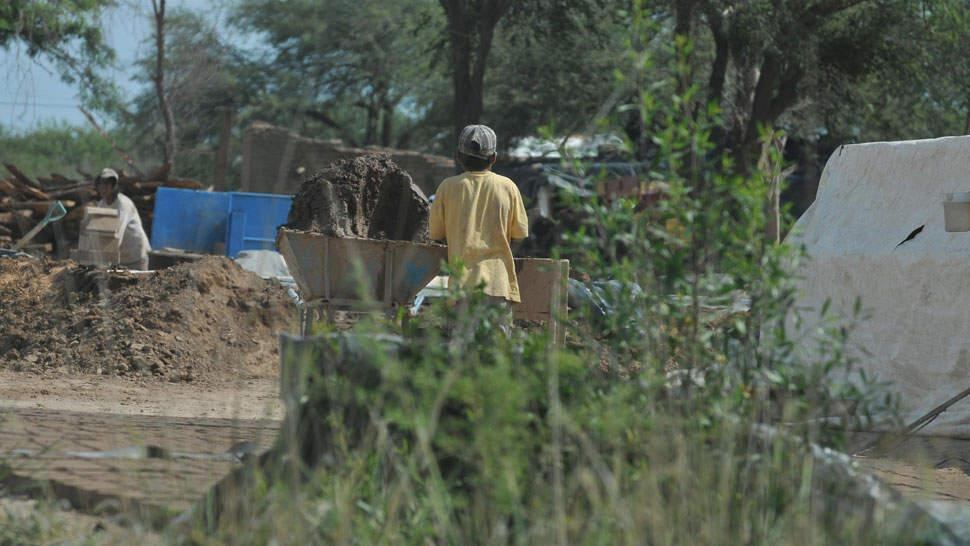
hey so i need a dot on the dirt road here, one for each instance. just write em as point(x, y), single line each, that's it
point(250, 398)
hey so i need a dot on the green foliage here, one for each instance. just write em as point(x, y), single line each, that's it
point(923, 93)
point(812, 68)
point(65, 32)
point(647, 428)
point(553, 63)
point(56, 148)
point(358, 69)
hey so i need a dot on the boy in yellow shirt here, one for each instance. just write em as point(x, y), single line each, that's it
point(478, 213)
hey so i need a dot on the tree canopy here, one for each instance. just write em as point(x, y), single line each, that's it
point(64, 32)
point(409, 73)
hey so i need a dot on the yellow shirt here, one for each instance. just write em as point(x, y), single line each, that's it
point(478, 214)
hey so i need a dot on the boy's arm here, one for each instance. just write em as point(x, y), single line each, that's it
point(518, 220)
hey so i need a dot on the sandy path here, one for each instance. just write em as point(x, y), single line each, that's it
point(251, 398)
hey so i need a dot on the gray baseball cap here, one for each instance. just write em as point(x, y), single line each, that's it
point(108, 174)
point(477, 141)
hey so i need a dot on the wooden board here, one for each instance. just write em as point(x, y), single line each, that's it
point(543, 285)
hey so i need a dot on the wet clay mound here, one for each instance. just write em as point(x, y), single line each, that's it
point(207, 319)
point(368, 196)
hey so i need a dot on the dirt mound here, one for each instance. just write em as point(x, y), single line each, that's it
point(368, 196)
point(209, 318)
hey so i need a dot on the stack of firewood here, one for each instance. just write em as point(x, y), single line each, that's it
point(24, 201)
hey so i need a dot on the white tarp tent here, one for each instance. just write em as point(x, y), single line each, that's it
point(916, 294)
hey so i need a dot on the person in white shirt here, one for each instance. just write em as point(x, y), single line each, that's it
point(134, 242)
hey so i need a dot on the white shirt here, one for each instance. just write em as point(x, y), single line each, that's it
point(134, 242)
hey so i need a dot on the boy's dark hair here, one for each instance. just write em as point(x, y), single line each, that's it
point(472, 163)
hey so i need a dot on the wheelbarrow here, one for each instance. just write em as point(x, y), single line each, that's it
point(338, 273)
point(372, 275)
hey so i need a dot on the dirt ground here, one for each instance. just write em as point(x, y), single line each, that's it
point(47, 419)
point(197, 321)
point(243, 398)
point(368, 196)
point(924, 467)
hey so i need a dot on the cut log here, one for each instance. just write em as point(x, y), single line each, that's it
point(20, 176)
point(184, 184)
point(142, 200)
point(8, 188)
point(62, 180)
point(80, 189)
point(28, 192)
point(10, 218)
point(146, 187)
point(39, 207)
point(34, 193)
point(160, 173)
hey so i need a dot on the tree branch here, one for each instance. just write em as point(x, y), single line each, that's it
point(158, 8)
point(124, 155)
point(345, 133)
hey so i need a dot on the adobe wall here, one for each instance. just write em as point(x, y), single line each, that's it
point(276, 160)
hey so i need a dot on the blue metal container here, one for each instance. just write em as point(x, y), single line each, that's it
point(253, 220)
point(190, 220)
point(217, 222)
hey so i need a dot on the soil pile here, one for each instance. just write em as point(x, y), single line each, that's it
point(207, 319)
point(368, 196)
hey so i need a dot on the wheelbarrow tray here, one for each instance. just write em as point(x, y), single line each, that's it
point(354, 272)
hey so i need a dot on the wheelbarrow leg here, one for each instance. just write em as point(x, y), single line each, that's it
point(305, 320)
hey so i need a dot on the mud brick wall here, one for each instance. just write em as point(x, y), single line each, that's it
point(276, 160)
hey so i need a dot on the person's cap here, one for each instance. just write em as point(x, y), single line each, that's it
point(107, 174)
point(477, 141)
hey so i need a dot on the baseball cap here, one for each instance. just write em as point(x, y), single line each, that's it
point(108, 173)
point(477, 141)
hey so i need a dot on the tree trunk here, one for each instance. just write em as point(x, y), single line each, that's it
point(370, 135)
point(684, 17)
point(470, 33)
point(387, 123)
point(715, 22)
point(171, 144)
point(222, 153)
point(966, 123)
point(760, 114)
